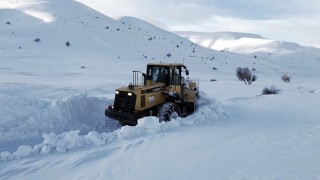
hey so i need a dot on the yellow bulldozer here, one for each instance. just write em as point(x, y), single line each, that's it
point(162, 91)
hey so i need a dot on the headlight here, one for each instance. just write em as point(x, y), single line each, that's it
point(117, 92)
point(129, 94)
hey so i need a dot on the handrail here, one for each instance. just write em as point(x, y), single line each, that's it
point(137, 76)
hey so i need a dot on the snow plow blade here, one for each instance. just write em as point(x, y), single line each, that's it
point(123, 118)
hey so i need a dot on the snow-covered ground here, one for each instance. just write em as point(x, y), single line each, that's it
point(53, 96)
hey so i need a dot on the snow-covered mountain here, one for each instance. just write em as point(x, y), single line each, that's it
point(243, 43)
point(53, 95)
point(258, 47)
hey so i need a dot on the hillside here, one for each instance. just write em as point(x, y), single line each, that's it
point(253, 45)
point(53, 96)
point(243, 43)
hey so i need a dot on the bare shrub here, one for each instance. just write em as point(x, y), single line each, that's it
point(270, 90)
point(246, 75)
point(286, 77)
point(37, 40)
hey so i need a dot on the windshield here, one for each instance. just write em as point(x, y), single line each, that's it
point(170, 75)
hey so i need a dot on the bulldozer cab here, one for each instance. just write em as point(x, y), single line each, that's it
point(158, 74)
point(168, 74)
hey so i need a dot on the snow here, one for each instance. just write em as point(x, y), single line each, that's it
point(36, 117)
point(23, 151)
point(52, 101)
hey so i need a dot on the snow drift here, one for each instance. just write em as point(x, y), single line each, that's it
point(209, 110)
point(27, 119)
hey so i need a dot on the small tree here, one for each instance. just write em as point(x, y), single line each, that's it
point(68, 44)
point(286, 77)
point(246, 75)
point(270, 90)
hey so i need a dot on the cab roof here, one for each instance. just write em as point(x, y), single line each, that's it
point(165, 64)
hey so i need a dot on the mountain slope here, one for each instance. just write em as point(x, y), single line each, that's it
point(241, 42)
point(276, 52)
point(86, 29)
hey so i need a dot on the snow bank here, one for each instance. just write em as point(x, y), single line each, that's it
point(22, 119)
point(76, 112)
point(208, 111)
point(23, 151)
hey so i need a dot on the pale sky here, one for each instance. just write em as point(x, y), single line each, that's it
point(286, 20)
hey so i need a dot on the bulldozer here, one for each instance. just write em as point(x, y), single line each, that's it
point(161, 91)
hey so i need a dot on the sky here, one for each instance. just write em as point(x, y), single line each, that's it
point(285, 20)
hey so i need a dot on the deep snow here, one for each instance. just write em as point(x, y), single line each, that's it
point(52, 100)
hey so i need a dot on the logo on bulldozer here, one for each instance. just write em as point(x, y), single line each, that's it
point(156, 89)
